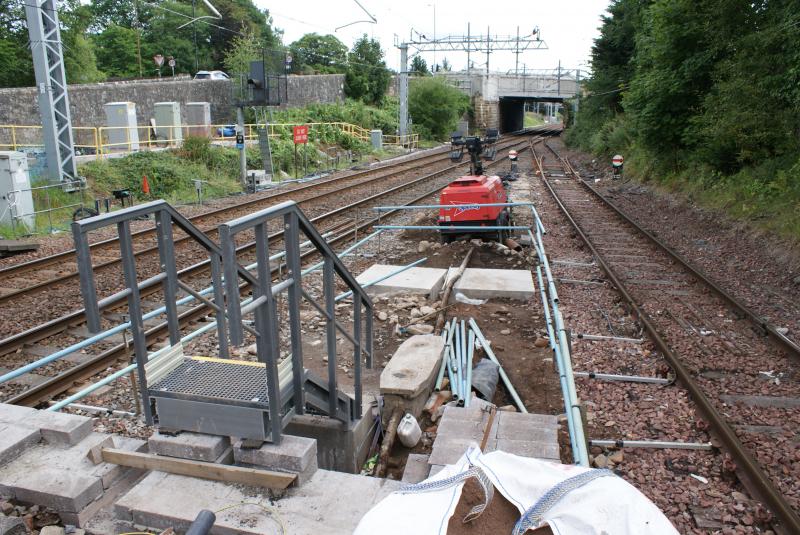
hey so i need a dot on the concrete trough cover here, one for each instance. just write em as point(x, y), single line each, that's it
point(416, 280)
point(479, 283)
point(413, 366)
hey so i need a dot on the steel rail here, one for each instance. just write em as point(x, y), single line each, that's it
point(764, 327)
point(15, 341)
point(750, 473)
point(22, 267)
point(65, 380)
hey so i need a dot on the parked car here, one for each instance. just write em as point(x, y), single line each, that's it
point(211, 75)
point(229, 130)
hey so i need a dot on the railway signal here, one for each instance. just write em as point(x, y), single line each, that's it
point(616, 163)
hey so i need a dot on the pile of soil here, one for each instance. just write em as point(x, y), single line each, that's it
point(498, 518)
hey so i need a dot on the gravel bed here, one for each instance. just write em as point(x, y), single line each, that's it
point(714, 503)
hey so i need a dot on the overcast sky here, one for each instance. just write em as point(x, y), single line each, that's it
point(567, 26)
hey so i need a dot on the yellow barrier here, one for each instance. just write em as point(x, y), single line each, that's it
point(85, 138)
point(104, 140)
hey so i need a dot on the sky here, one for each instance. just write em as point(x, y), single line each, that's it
point(567, 26)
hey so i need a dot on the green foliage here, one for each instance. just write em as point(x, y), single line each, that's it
point(100, 37)
point(704, 97)
point(435, 107)
point(116, 50)
point(419, 66)
point(367, 77)
point(314, 53)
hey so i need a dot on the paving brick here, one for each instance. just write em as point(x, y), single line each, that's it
point(530, 431)
point(59, 489)
point(521, 418)
point(297, 455)
point(416, 469)
point(14, 439)
point(451, 450)
point(416, 280)
point(195, 446)
point(479, 283)
point(60, 427)
point(524, 448)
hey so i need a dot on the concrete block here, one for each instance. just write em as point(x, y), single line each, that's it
point(435, 469)
point(334, 500)
point(60, 427)
point(413, 366)
point(341, 446)
point(514, 419)
point(416, 280)
point(15, 414)
point(525, 448)
point(14, 439)
point(417, 468)
point(529, 431)
point(186, 445)
point(479, 283)
point(59, 489)
point(297, 455)
point(451, 450)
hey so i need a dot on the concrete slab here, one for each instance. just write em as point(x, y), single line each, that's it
point(297, 455)
point(526, 448)
point(186, 445)
point(413, 366)
point(416, 280)
point(334, 500)
point(15, 414)
point(479, 283)
point(63, 478)
point(417, 468)
point(14, 439)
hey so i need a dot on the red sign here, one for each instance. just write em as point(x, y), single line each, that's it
point(300, 134)
point(617, 160)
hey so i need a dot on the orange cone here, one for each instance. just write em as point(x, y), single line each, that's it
point(145, 185)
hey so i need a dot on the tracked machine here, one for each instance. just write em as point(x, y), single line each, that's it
point(467, 203)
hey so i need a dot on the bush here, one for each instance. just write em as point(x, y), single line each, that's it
point(435, 107)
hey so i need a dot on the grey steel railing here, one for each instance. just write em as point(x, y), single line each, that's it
point(263, 306)
point(166, 217)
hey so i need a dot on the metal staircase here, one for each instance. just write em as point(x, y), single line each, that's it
point(218, 395)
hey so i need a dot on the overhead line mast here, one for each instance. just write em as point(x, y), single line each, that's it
point(460, 43)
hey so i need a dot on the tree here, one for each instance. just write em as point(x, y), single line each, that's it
point(314, 53)
point(116, 50)
point(419, 66)
point(367, 77)
point(436, 107)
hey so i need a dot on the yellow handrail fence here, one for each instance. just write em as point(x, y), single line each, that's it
point(103, 140)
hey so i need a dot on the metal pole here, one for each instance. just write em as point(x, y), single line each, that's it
point(243, 151)
point(194, 31)
point(488, 50)
point(469, 46)
point(516, 61)
point(403, 90)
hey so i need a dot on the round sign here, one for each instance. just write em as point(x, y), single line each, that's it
point(617, 161)
point(159, 59)
point(288, 58)
point(171, 62)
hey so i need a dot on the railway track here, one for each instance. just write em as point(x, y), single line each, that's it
point(738, 371)
point(338, 220)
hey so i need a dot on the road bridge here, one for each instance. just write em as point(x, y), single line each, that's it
point(498, 99)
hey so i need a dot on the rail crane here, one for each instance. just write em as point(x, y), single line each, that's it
point(462, 201)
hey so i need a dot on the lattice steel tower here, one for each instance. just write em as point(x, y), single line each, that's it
point(51, 83)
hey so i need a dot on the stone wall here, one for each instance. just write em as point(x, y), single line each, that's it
point(19, 106)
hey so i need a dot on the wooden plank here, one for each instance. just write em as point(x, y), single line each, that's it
point(203, 470)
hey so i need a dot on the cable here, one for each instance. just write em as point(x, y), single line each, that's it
point(270, 511)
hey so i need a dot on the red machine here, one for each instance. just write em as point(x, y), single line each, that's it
point(469, 194)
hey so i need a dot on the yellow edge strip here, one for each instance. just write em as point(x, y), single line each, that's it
point(228, 361)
